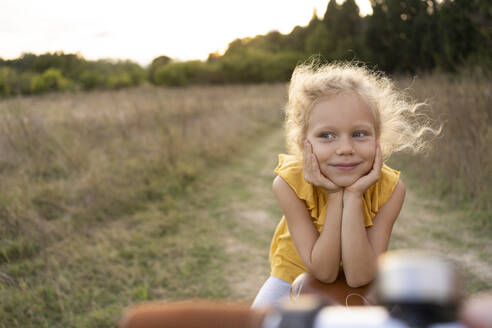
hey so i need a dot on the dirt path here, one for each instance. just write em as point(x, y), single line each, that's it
point(249, 214)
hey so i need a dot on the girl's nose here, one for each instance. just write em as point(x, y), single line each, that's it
point(344, 147)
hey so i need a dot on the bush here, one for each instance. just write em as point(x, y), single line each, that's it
point(247, 66)
point(156, 63)
point(185, 73)
point(136, 73)
point(279, 66)
point(23, 84)
point(119, 81)
point(91, 80)
point(12, 83)
point(254, 65)
point(51, 80)
point(7, 77)
point(173, 74)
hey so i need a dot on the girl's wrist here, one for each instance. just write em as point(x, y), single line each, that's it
point(333, 190)
point(336, 196)
point(351, 195)
point(337, 193)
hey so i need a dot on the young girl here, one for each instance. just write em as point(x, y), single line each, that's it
point(338, 198)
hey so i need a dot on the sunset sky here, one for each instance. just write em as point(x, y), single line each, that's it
point(142, 30)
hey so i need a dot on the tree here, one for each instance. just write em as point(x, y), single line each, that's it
point(343, 30)
point(322, 41)
point(156, 63)
point(297, 38)
point(466, 29)
point(402, 35)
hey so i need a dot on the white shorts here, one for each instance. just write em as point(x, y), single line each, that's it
point(272, 293)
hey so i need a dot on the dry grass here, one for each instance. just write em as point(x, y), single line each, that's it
point(458, 166)
point(452, 213)
point(94, 187)
point(69, 161)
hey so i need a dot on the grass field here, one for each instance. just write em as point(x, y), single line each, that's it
point(113, 198)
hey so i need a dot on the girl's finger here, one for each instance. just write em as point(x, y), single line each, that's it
point(307, 152)
point(309, 155)
point(311, 167)
point(308, 162)
point(378, 159)
point(375, 173)
point(378, 163)
point(308, 146)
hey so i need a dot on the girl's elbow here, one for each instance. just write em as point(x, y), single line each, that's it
point(327, 280)
point(356, 282)
point(326, 277)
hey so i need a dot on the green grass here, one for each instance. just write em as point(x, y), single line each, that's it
point(168, 250)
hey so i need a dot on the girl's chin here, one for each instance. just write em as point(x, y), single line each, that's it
point(343, 181)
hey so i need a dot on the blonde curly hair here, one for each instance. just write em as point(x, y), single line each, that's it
point(399, 125)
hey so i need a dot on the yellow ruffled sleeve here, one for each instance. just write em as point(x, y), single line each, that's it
point(290, 169)
point(379, 193)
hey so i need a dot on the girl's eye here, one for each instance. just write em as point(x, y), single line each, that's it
point(327, 135)
point(359, 134)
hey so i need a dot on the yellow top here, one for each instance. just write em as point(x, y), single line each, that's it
point(284, 259)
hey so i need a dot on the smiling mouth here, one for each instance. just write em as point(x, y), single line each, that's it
point(345, 167)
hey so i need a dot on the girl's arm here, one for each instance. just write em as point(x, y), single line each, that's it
point(320, 253)
point(361, 246)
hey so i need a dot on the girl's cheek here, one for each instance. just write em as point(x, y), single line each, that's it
point(368, 152)
point(323, 148)
point(315, 147)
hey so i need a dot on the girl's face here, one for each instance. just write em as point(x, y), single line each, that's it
point(342, 131)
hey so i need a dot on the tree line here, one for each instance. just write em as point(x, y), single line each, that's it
point(33, 74)
point(398, 37)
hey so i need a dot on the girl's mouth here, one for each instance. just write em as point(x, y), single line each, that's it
point(345, 166)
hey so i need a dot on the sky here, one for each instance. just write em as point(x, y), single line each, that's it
point(141, 30)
